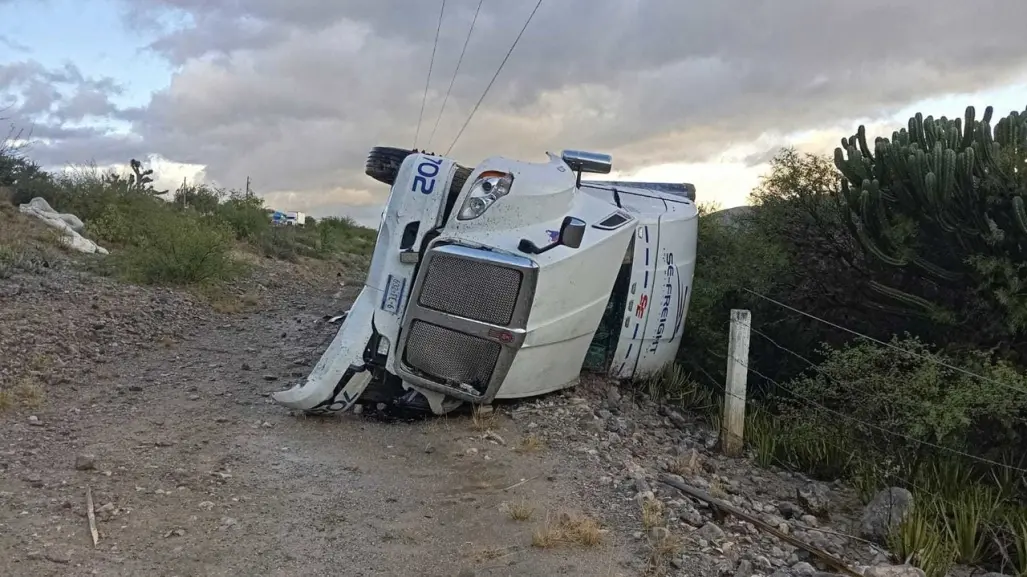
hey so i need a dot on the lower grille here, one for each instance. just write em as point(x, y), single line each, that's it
point(451, 356)
point(471, 289)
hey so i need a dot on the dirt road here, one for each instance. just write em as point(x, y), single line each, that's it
point(193, 471)
point(157, 403)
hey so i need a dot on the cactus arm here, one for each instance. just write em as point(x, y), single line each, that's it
point(1019, 214)
point(904, 297)
point(935, 270)
point(872, 247)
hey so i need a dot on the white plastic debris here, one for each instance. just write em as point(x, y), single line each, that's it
point(69, 224)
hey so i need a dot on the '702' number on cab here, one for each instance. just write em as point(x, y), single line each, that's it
point(427, 170)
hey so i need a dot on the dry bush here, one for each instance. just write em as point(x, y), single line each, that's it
point(662, 547)
point(482, 418)
point(531, 443)
point(652, 513)
point(521, 511)
point(27, 393)
point(717, 489)
point(686, 465)
point(568, 529)
point(490, 553)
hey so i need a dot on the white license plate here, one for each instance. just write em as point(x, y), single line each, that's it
point(393, 297)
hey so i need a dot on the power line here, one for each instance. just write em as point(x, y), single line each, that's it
point(889, 345)
point(455, 72)
point(496, 75)
point(427, 82)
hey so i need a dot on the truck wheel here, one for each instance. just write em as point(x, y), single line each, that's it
point(383, 163)
point(459, 178)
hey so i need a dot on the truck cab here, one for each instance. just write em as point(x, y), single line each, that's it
point(498, 282)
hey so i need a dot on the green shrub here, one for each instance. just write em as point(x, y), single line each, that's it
point(247, 217)
point(12, 259)
point(181, 249)
point(202, 198)
point(880, 388)
point(673, 385)
point(1016, 531)
point(279, 242)
point(921, 541)
point(336, 234)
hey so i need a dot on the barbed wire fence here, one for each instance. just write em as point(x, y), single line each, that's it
point(738, 414)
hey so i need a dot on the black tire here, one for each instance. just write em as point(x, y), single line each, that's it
point(383, 163)
point(460, 176)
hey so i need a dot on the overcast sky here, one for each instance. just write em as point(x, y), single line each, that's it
point(293, 94)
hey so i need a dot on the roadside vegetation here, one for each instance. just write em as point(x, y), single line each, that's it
point(917, 241)
point(190, 237)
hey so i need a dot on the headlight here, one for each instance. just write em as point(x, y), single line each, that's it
point(486, 190)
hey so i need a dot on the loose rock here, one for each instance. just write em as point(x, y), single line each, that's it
point(885, 512)
point(85, 462)
point(895, 571)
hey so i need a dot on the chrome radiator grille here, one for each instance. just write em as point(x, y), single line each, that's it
point(448, 355)
point(471, 289)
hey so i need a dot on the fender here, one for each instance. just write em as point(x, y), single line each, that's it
point(340, 376)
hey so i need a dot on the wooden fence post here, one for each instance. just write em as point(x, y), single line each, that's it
point(732, 425)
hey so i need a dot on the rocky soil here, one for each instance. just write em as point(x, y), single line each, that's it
point(156, 405)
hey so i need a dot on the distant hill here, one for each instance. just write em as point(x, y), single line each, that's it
point(730, 215)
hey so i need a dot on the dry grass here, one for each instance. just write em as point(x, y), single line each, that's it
point(652, 513)
point(436, 424)
point(521, 511)
point(27, 393)
point(686, 465)
point(229, 303)
point(40, 363)
point(717, 489)
point(662, 549)
point(531, 443)
point(12, 258)
point(482, 418)
point(546, 536)
point(491, 553)
point(568, 529)
point(166, 341)
point(25, 242)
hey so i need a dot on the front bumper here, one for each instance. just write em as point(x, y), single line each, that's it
point(466, 320)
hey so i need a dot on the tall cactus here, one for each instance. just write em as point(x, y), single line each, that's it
point(937, 195)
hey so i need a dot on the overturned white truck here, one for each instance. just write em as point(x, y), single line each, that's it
point(502, 281)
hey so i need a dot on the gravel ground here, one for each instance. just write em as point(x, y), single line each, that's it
point(157, 404)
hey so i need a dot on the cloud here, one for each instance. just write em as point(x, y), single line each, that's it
point(12, 44)
point(293, 94)
point(63, 112)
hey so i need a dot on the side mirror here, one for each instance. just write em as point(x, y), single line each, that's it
point(572, 231)
point(581, 161)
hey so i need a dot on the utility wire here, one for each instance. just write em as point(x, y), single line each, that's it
point(455, 72)
point(496, 75)
point(889, 345)
point(427, 82)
